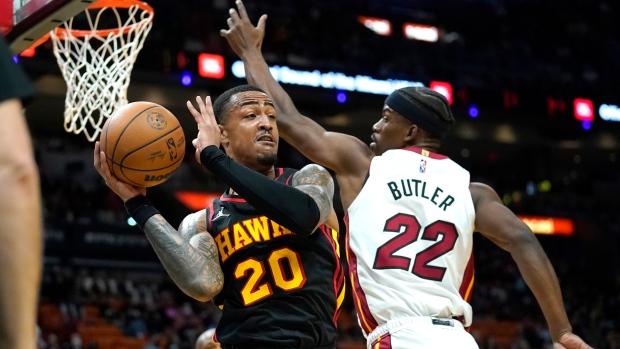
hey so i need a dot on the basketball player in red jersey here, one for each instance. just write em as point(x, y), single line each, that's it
point(411, 213)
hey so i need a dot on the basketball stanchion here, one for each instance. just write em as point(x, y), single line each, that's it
point(96, 60)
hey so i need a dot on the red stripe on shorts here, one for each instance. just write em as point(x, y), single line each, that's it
point(383, 342)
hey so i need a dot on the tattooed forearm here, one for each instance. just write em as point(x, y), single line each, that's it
point(211, 273)
point(195, 270)
point(317, 182)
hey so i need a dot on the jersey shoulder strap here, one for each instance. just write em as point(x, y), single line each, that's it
point(285, 175)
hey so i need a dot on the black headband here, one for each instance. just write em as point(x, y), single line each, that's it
point(417, 115)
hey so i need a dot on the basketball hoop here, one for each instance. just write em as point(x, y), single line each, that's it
point(96, 61)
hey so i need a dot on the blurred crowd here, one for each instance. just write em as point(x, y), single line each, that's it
point(142, 305)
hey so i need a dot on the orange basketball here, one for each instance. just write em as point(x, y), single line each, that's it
point(143, 143)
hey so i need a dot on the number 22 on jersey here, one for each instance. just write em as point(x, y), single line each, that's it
point(385, 258)
point(252, 291)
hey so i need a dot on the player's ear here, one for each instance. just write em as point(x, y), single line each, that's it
point(224, 137)
point(412, 132)
point(223, 133)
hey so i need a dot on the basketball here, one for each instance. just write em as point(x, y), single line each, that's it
point(144, 144)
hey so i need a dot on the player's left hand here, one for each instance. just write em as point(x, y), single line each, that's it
point(570, 340)
point(241, 34)
point(123, 190)
point(209, 132)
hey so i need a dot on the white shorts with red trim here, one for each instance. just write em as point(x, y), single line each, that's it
point(421, 332)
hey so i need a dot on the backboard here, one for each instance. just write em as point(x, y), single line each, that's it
point(23, 22)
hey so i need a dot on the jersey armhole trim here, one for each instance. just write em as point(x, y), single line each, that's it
point(209, 216)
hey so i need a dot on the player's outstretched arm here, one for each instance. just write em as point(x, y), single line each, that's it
point(189, 255)
point(339, 152)
point(504, 228)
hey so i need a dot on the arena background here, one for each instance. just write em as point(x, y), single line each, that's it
point(515, 68)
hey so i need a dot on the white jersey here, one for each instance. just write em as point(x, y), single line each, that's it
point(410, 239)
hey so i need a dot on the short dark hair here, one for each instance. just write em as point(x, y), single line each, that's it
point(433, 103)
point(221, 104)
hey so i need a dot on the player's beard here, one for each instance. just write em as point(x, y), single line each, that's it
point(267, 160)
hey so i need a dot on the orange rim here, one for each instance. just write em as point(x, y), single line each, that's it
point(39, 41)
point(62, 33)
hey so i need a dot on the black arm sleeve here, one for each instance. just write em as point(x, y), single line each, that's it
point(287, 206)
point(13, 81)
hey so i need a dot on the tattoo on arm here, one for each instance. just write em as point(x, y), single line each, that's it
point(317, 182)
point(188, 255)
point(189, 226)
point(210, 275)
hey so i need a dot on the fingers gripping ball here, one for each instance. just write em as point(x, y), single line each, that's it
point(144, 144)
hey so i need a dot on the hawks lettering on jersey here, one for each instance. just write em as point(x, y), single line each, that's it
point(246, 232)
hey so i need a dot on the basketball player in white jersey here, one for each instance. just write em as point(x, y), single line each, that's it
point(411, 213)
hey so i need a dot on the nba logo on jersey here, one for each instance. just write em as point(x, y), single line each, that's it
point(422, 166)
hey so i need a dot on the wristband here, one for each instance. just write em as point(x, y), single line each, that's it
point(140, 209)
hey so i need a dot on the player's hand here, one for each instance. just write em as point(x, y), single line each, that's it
point(205, 340)
point(122, 189)
point(209, 131)
point(570, 340)
point(241, 34)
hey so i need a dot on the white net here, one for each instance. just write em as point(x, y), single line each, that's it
point(97, 62)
